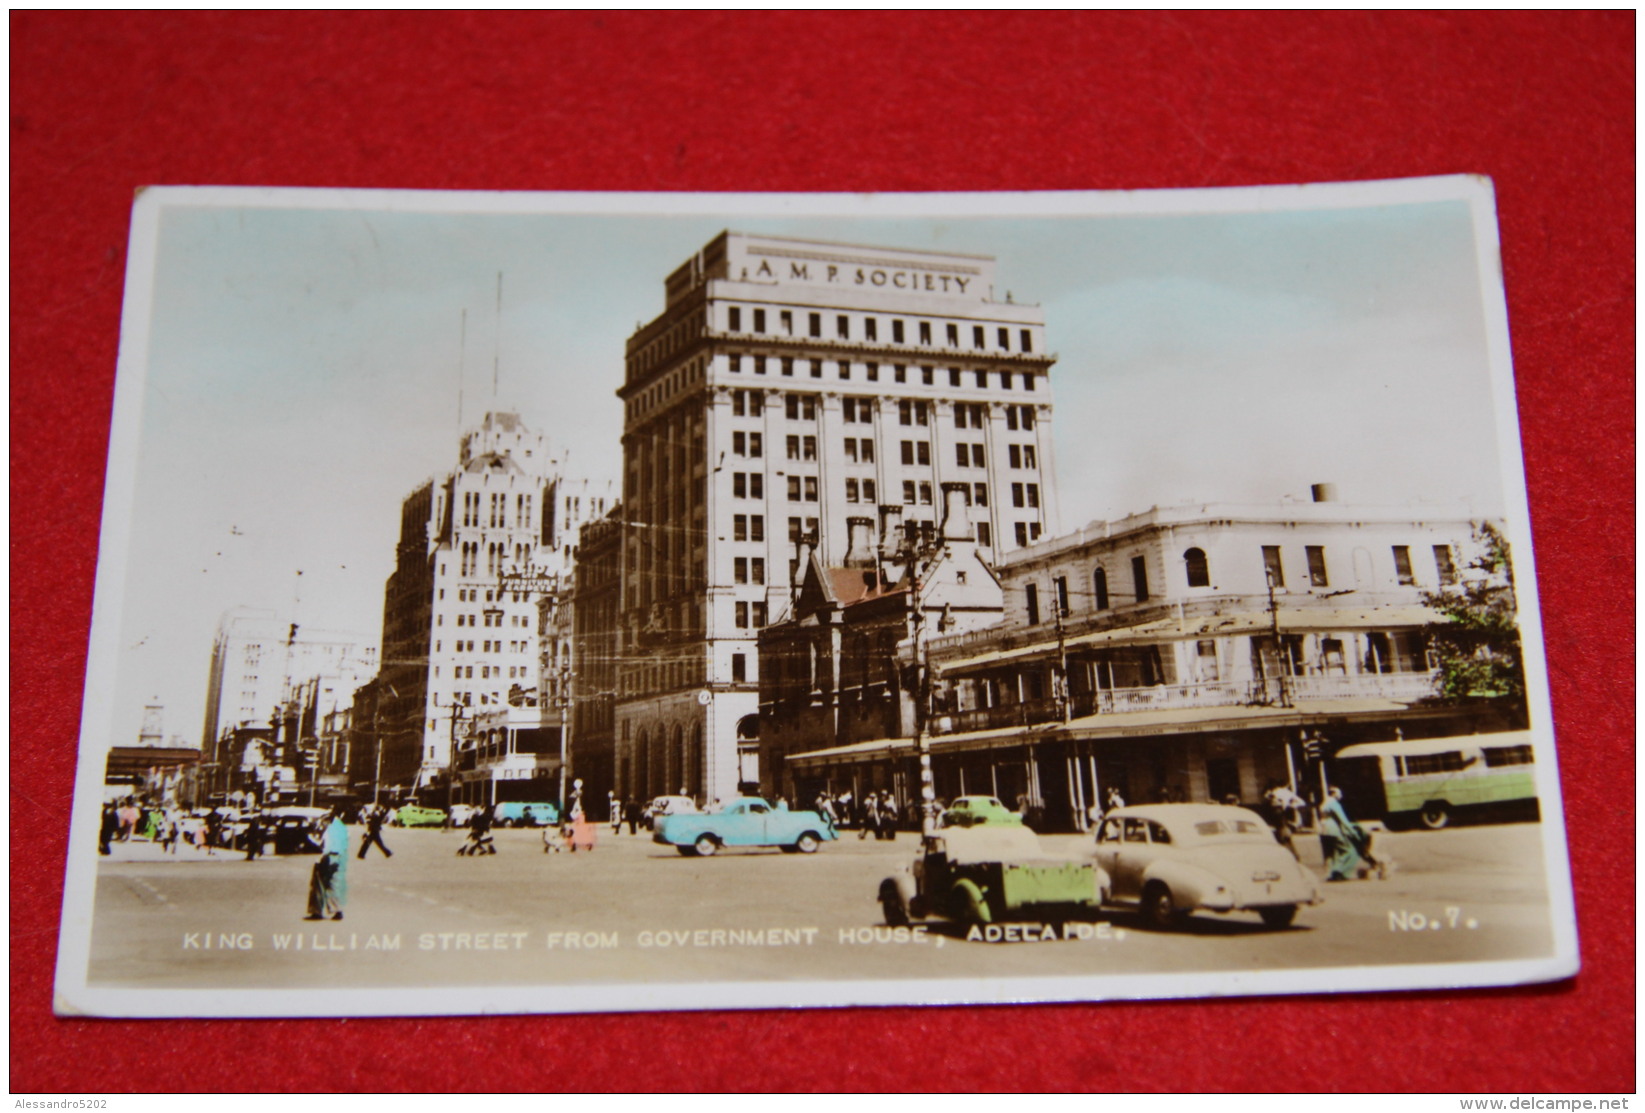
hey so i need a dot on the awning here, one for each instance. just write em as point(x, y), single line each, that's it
point(1288, 620)
point(1205, 720)
point(902, 747)
point(1129, 724)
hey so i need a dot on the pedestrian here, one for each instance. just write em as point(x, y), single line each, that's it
point(888, 817)
point(374, 833)
point(109, 827)
point(631, 814)
point(1115, 800)
point(1344, 843)
point(214, 830)
point(1284, 812)
point(328, 881)
point(825, 807)
point(870, 817)
point(129, 814)
point(615, 810)
point(479, 835)
point(254, 838)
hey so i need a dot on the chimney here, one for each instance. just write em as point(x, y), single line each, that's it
point(890, 517)
point(956, 519)
point(859, 552)
point(1324, 492)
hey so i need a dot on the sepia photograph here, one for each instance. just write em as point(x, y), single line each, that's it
point(546, 603)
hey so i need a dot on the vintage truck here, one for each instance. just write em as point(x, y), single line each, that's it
point(748, 821)
point(989, 873)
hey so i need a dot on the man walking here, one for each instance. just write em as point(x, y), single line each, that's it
point(374, 833)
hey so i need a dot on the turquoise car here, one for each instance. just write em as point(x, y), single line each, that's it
point(749, 821)
point(514, 813)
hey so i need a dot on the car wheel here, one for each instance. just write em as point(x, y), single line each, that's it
point(808, 843)
point(966, 905)
point(1279, 916)
point(896, 913)
point(1159, 909)
point(706, 846)
point(1435, 815)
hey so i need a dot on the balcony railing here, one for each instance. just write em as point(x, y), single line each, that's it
point(1405, 687)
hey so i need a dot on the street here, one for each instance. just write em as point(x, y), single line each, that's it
point(634, 911)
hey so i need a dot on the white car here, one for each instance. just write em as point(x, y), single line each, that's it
point(1171, 860)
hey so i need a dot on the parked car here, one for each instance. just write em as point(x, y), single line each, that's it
point(462, 814)
point(991, 872)
point(515, 813)
point(1171, 860)
point(749, 821)
point(673, 805)
point(416, 815)
point(294, 830)
point(969, 811)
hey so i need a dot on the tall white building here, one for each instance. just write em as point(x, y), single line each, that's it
point(258, 663)
point(788, 387)
point(454, 643)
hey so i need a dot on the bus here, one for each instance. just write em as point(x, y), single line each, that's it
point(1434, 781)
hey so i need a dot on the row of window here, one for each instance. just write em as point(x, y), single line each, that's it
point(845, 371)
point(487, 646)
point(492, 618)
point(466, 672)
point(498, 510)
point(910, 411)
point(870, 329)
point(1197, 571)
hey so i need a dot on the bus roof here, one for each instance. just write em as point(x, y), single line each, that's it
point(1422, 746)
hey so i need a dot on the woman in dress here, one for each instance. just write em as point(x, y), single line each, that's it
point(328, 883)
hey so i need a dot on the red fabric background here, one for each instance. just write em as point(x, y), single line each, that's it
point(1544, 104)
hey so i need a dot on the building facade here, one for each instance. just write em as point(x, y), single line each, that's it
point(787, 387)
point(1188, 653)
point(455, 643)
point(270, 678)
point(841, 669)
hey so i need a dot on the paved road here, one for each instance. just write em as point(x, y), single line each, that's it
point(634, 911)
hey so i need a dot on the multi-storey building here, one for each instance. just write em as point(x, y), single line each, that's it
point(788, 386)
point(455, 643)
point(1187, 653)
point(596, 605)
point(258, 665)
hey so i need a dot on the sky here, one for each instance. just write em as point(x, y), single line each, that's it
point(305, 368)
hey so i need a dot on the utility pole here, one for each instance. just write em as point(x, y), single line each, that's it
point(451, 765)
point(1060, 607)
point(922, 549)
point(563, 698)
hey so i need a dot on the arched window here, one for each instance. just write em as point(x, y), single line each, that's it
point(1099, 585)
point(1199, 573)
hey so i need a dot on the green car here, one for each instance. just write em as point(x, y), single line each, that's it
point(415, 815)
point(972, 811)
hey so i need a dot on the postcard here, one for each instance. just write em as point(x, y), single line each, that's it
point(601, 602)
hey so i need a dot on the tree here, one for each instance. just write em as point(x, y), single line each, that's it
point(1478, 647)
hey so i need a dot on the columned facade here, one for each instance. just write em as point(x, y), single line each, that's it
point(787, 387)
